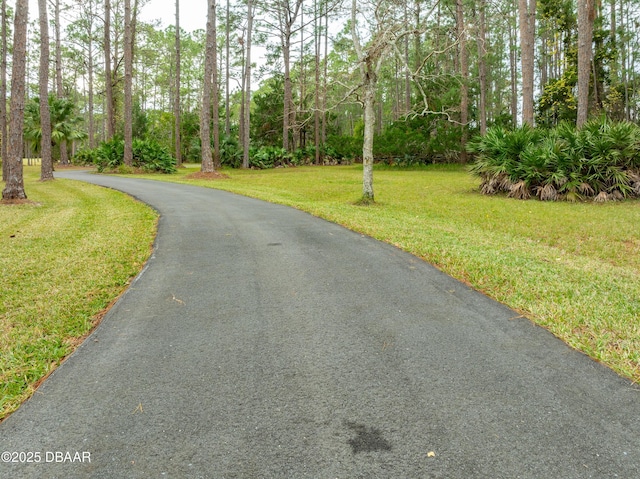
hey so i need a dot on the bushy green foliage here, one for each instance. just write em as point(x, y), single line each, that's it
point(230, 152)
point(599, 161)
point(85, 157)
point(270, 157)
point(148, 156)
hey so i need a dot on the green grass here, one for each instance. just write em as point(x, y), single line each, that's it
point(571, 268)
point(63, 259)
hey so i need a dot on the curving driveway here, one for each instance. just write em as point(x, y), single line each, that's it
point(261, 342)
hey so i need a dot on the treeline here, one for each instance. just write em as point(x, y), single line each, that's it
point(445, 71)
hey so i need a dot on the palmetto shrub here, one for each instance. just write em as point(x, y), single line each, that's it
point(148, 156)
point(600, 161)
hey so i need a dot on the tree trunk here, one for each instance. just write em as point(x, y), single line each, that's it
point(64, 154)
point(482, 67)
point(527, 45)
point(215, 95)
point(369, 132)
point(464, 75)
point(316, 98)
point(585, 37)
point(247, 94)
point(227, 92)
point(128, 84)
point(205, 115)
point(46, 164)
point(407, 73)
point(288, 101)
point(288, 18)
point(3, 91)
point(108, 74)
point(325, 65)
point(513, 68)
point(91, 100)
point(14, 187)
point(176, 101)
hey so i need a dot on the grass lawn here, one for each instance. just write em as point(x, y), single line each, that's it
point(63, 259)
point(571, 268)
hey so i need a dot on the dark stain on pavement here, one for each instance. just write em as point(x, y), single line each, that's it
point(368, 439)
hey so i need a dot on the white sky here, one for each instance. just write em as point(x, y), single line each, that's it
point(193, 13)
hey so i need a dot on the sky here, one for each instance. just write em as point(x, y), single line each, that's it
point(193, 13)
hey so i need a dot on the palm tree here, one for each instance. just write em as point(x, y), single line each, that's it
point(65, 122)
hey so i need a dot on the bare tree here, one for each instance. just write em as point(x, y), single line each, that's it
point(384, 31)
point(46, 166)
point(14, 187)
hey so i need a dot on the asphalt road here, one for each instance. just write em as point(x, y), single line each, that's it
point(261, 342)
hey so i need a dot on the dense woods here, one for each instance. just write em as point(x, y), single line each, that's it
point(405, 83)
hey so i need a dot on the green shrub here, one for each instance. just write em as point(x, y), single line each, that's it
point(148, 156)
point(110, 154)
point(230, 152)
point(85, 157)
point(152, 157)
point(270, 157)
point(600, 161)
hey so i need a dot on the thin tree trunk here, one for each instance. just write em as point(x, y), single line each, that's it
point(243, 92)
point(482, 66)
point(14, 187)
point(464, 74)
point(316, 109)
point(369, 132)
point(3, 91)
point(288, 18)
point(46, 165)
point(108, 74)
point(286, 116)
point(407, 74)
point(176, 101)
point(205, 115)
point(513, 68)
point(91, 99)
point(325, 63)
point(215, 95)
point(527, 45)
point(227, 93)
point(128, 84)
point(247, 82)
point(64, 154)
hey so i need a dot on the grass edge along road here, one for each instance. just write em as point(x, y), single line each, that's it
point(64, 256)
point(573, 268)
